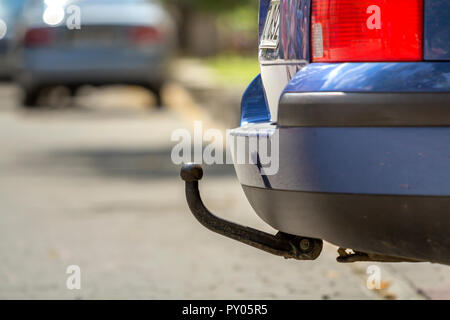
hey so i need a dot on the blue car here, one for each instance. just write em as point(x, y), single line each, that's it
point(357, 94)
point(9, 14)
point(93, 42)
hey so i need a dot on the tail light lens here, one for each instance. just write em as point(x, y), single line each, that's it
point(38, 37)
point(146, 35)
point(367, 30)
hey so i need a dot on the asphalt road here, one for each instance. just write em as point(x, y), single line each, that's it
point(93, 185)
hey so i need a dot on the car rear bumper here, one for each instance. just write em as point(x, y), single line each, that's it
point(375, 189)
point(5, 70)
point(90, 77)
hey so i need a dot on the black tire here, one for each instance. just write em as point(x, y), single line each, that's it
point(30, 97)
point(157, 91)
point(73, 90)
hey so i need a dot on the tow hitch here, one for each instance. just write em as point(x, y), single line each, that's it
point(281, 244)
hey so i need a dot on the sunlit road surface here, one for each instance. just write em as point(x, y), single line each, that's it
point(93, 185)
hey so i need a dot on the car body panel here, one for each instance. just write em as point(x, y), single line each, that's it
point(275, 77)
point(364, 160)
point(254, 106)
point(437, 30)
point(405, 227)
point(364, 109)
point(279, 65)
point(366, 186)
point(378, 190)
point(293, 44)
point(372, 77)
point(49, 67)
point(102, 51)
point(263, 10)
point(105, 12)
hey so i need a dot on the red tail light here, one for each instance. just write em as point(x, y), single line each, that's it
point(146, 35)
point(38, 37)
point(367, 30)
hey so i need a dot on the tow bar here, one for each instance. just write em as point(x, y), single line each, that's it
point(281, 244)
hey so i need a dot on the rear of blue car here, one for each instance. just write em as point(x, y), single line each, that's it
point(117, 42)
point(358, 94)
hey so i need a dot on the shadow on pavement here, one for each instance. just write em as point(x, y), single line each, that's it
point(134, 164)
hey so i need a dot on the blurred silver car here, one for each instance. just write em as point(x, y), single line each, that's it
point(9, 13)
point(116, 42)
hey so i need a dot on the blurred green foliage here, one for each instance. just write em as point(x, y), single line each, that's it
point(209, 27)
point(212, 5)
point(241, 18)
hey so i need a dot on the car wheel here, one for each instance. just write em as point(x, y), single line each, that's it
point(30, 97)
point(73, 90)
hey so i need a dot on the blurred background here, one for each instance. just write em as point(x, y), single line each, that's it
point(57, 47)
point(90, 93)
